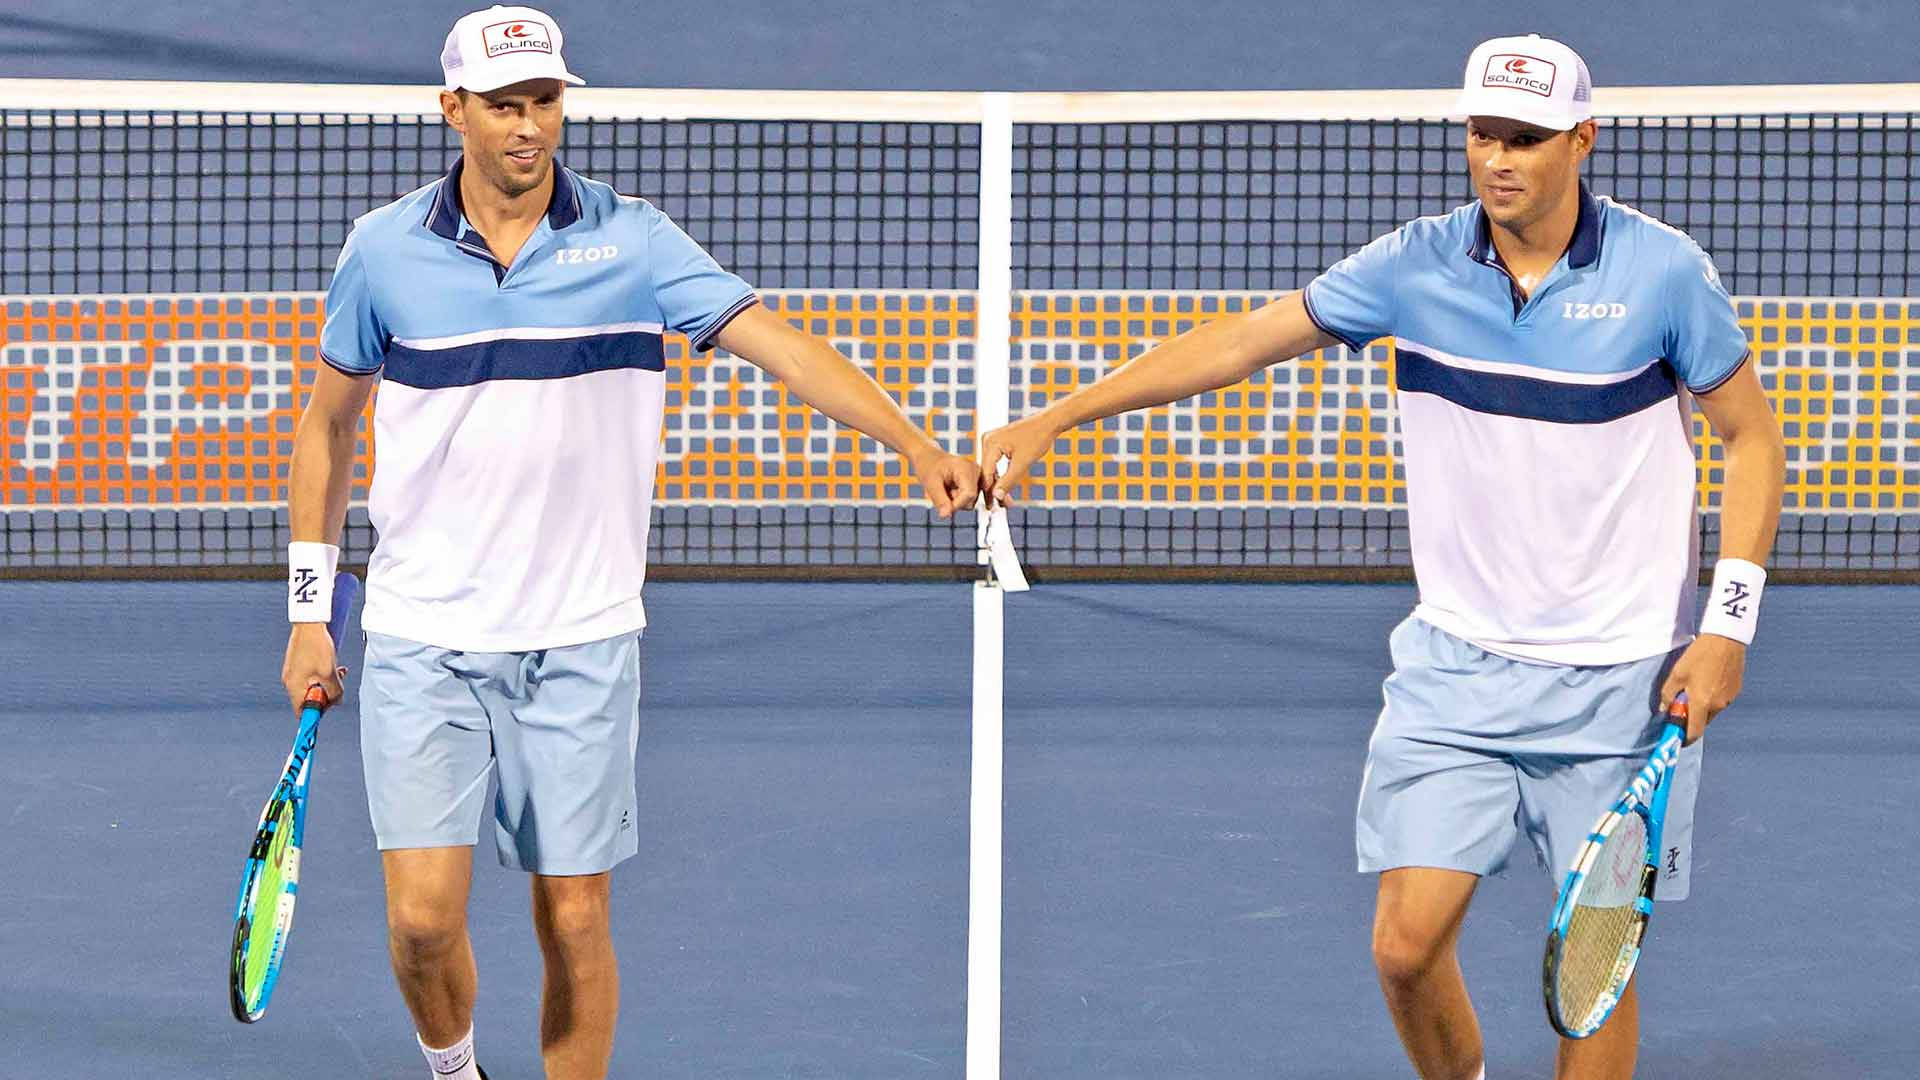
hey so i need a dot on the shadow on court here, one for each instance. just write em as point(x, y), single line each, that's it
point(797, 909)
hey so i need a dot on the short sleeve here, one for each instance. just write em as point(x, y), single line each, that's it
point(696, 297)
point(1354, 299)
point(353, 340)
point(1704, 343)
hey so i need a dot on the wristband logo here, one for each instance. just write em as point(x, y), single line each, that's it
point(306, 585)
point(1734, 604)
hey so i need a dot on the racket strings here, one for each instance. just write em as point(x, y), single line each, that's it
point(1603, 922)
point(1595, 937)
point(264, 915)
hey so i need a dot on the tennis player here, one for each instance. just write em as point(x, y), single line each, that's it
point(1551, 345)
point(515, 310)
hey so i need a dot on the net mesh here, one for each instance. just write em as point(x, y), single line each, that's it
point(160, 304)
point(1600, 933)
point(1801, 205)
point(168, 202)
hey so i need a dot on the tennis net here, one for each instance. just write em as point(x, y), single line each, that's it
point(164, 250)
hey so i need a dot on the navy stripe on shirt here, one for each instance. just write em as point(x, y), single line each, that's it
point(1534, 399)
point(492, 361)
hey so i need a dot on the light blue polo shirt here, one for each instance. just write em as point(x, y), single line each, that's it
point(415, 269)
point(1549, 461)
point(517, 425)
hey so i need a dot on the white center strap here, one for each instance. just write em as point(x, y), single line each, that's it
point(1733, 604)
point(310, 570)
point(995, 541)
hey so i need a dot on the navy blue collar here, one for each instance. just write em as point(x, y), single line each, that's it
point(563, 208)
point(1582, 251)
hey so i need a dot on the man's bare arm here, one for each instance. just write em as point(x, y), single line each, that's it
point(1712, 669)
point(1755, 467)
point(319, 480)
point(819, 375)
point(1220, 353)
point(321, 473)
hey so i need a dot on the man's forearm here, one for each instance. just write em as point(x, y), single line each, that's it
point(1208, 357)
point(819, 375)
point(320, 476)
point(1750, 499)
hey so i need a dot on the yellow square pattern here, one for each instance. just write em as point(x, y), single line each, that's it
point(191, 400)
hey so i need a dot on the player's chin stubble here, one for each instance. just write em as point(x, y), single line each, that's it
point(512, 182)
point(1520, 214)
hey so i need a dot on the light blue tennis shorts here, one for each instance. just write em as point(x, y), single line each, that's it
point(557, 727)
point(1473, 750)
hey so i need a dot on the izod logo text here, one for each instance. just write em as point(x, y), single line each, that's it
point(587, 254)
point(1594, 311)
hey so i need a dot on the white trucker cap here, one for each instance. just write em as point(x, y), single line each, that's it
point(1531, 79)
point(500, 46)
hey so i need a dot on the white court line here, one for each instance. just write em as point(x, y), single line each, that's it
point(983, 838)
point(993, 330)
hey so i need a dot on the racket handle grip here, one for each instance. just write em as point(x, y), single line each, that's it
point(1678, 710)
point(346, 589)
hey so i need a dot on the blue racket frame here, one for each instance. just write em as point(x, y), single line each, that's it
point(290, 790)
point(1646, 797)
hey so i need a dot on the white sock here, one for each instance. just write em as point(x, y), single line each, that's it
point(453, 1063)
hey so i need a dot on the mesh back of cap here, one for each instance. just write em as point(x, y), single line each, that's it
point(450, 56)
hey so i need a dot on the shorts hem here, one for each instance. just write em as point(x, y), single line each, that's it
point(1381, 866)
point(407, 843)
point(562, 867)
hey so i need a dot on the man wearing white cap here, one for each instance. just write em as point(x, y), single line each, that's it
point(1549, 347)
point(514, 311)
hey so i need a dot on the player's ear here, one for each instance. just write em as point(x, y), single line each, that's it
point(1584, 133)
point(453, 106)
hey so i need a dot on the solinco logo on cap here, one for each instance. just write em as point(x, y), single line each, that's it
point(1516, 72)
point(506, 38)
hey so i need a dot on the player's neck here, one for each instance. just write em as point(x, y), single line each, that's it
point(1530, 251)
point(504, 221)
point(496, 213)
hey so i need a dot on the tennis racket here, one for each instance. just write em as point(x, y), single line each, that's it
point(1601, 915)
point(264, 915)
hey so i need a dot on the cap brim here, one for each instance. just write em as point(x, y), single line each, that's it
point(1512, 107)
point(498, 78)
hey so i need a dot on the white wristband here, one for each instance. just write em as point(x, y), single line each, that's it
point(310, 568)
point(1733, 604)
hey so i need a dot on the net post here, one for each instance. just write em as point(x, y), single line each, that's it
point(993, 327)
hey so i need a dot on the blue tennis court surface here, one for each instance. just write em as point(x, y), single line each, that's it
point(1181, 768)
point(797, 909)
